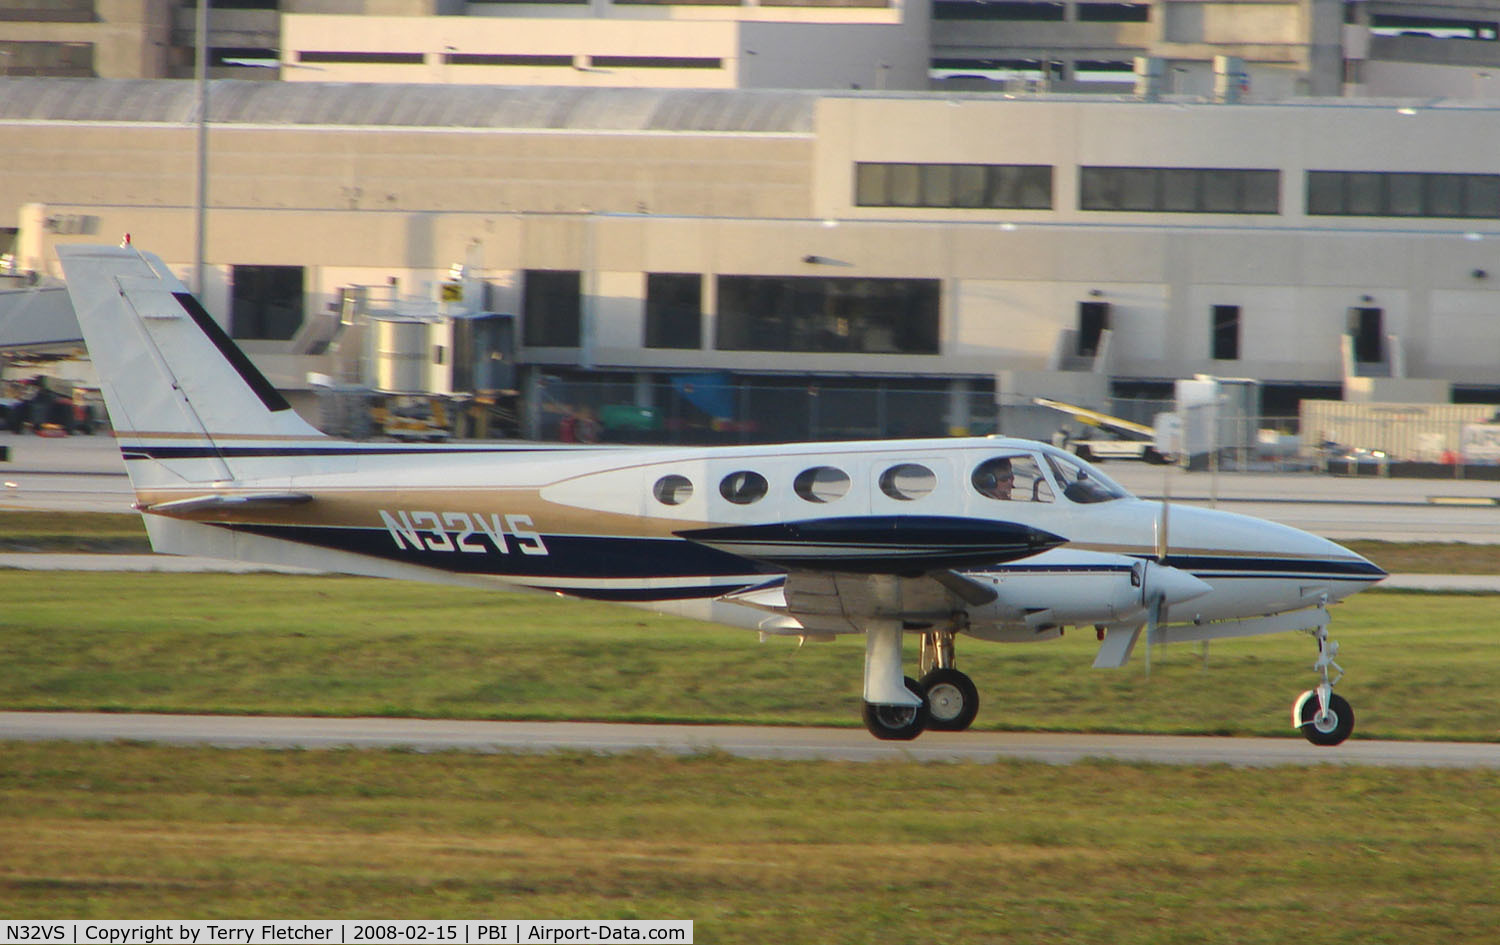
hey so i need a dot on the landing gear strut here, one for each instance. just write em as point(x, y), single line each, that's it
point(899, 707)
point(952, 697)
point(1323, 717)
point(898, 722)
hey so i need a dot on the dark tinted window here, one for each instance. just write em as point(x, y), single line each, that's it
point(551, 308)
point(265, 302)
point(674, 305)
point(807, 313)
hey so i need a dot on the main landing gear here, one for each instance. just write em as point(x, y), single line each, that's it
point(947, 699)
point(1323, 717)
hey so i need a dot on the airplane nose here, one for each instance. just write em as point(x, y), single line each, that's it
point(1369, 567)
point(1173, 585)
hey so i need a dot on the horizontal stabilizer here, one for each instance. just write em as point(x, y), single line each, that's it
point(203, 503)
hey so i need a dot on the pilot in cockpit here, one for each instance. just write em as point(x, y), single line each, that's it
point(995, 479)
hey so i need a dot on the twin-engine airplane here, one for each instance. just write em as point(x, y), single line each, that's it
point(993, 539)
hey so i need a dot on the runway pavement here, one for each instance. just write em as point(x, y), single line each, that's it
point(810, 744)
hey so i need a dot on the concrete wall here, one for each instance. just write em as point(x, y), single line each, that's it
point(130, 38)
point(758, 47)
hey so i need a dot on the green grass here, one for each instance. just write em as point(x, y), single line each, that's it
point(1420, 665)
point(52, 531)
point(752, 851)
point(756, 851)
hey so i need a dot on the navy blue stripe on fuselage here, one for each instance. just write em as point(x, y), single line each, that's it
point(567, 556)
point(625, 595)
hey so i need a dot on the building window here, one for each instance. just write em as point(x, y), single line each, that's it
point(1114, 12)
point(809, 313)
point(998, 10)
point(41, 58)
point(552, 308)
point(48, 11)
point(1093, 322)
point(1433, 27)
point(1367, 334)
point(506, 59)
point(1402, 194)
point(265, 302)
point(333, 57)
point(1226, 333)
point(655, 62)
point(674, 310)
point(1179, 190)
point(986, 186)
point(997, 70)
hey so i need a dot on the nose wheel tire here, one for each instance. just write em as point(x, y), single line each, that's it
point(898, 722)
point(952, 700)
point(1333, 727)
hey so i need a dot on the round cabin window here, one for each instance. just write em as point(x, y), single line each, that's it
point(908, 482)
point(672, 490)
point(743, 487)
point(821, 484)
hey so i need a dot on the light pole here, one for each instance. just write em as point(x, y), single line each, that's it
point(200, 77)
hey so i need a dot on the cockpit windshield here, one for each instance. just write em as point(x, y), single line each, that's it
point(1081, 482)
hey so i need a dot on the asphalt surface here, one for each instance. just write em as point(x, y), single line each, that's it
point(807, 744)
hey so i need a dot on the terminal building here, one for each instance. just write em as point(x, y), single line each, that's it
point(1427, 48)
point(947, 247)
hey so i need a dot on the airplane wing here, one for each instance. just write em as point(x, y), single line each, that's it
point(827, 602)
point(1096, 419)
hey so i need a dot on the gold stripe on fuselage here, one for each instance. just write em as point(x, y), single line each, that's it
point(361, 508)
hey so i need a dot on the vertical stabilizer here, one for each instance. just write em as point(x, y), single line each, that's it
point(177, 388)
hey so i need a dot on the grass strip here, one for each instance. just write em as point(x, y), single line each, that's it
point(755, 851)
point(1419, 665)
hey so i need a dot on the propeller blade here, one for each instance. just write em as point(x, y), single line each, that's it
point(1161, 520)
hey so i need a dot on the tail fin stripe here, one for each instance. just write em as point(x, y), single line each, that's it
point(242, 365)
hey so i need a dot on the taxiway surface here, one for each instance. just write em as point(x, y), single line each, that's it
point(810, 744)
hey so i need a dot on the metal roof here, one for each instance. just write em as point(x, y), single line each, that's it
point(744, 111)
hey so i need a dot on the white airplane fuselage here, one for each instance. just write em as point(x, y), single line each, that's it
point(584, 521)
point(998, 539)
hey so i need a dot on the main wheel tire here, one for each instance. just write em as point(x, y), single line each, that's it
point(897, 722)
point(952, 700)
point(1332, 730)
